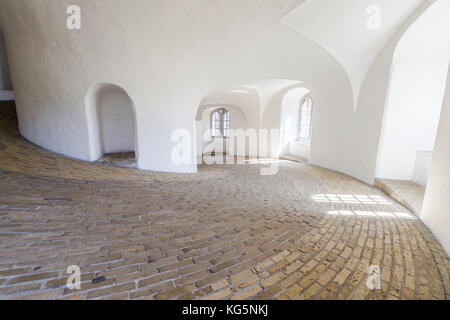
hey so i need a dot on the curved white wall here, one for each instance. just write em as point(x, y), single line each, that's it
point(167, 56)
point(436, 207)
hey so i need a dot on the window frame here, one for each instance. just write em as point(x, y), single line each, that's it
point(224, 117)
point(301, 139)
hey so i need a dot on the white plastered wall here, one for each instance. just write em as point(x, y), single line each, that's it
point(166, 61)
point(167, 55)
point(361, 144)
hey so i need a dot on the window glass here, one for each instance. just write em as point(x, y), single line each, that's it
point(226, 124)
point(305, 119)
point(216, 131)
point(220, 123)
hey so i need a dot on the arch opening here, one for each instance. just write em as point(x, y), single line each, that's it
point(415, 98)
point(270, 119)
point(6, 86)
point(296, 123)
point(112, 126)
point(214, 126)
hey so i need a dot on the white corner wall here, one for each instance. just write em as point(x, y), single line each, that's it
point(361, 145)
point(436, 207)
point(169, 73)
point(300, 149)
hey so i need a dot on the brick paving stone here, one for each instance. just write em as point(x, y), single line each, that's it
point(224, 233)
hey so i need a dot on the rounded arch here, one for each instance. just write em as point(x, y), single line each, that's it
point(280, 110)
point(217, 120)
point(290, 122)
point(111, 121)
point(6, 86)
point(203, 123)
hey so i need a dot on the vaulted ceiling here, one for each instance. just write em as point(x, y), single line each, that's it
point(341, 27)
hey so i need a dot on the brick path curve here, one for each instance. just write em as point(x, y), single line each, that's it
point(224, 233)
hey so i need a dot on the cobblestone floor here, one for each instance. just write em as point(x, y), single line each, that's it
point(224, 233)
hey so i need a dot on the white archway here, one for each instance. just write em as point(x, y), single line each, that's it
point(415, 98)
point(290, 144)
point(111, 121)
point(6, 86)
point(203, 129)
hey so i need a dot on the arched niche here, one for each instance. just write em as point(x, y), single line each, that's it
point(6, 86)
point(290, 118)
point(204, 125)
point(111, 121)
point(280, 104)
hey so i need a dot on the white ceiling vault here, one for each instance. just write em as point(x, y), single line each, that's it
point(341, 27)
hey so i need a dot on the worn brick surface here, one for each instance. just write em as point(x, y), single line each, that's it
point(224, 233)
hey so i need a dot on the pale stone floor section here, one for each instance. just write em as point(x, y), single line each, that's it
point(408, 193)
point(224, 233)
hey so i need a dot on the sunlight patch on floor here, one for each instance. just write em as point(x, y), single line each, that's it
point(401, 215)
point(350, 199)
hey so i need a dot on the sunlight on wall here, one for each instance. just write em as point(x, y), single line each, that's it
point(350, 199)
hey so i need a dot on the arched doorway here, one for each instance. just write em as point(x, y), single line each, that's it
point(112, 126)
point(296, 123)
point(6, 87)
point(215, 142)
point(220, 129)
point(413, 108)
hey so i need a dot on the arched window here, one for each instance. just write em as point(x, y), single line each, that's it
point(226, 124)
point(305, 123)
point(220, 123)
point(216, 124)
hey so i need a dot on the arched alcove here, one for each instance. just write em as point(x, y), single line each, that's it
point(111, 120)
point(415, 98)
point(207, 142)
point(6, 87)
point(296, 130)
point(281, 105)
